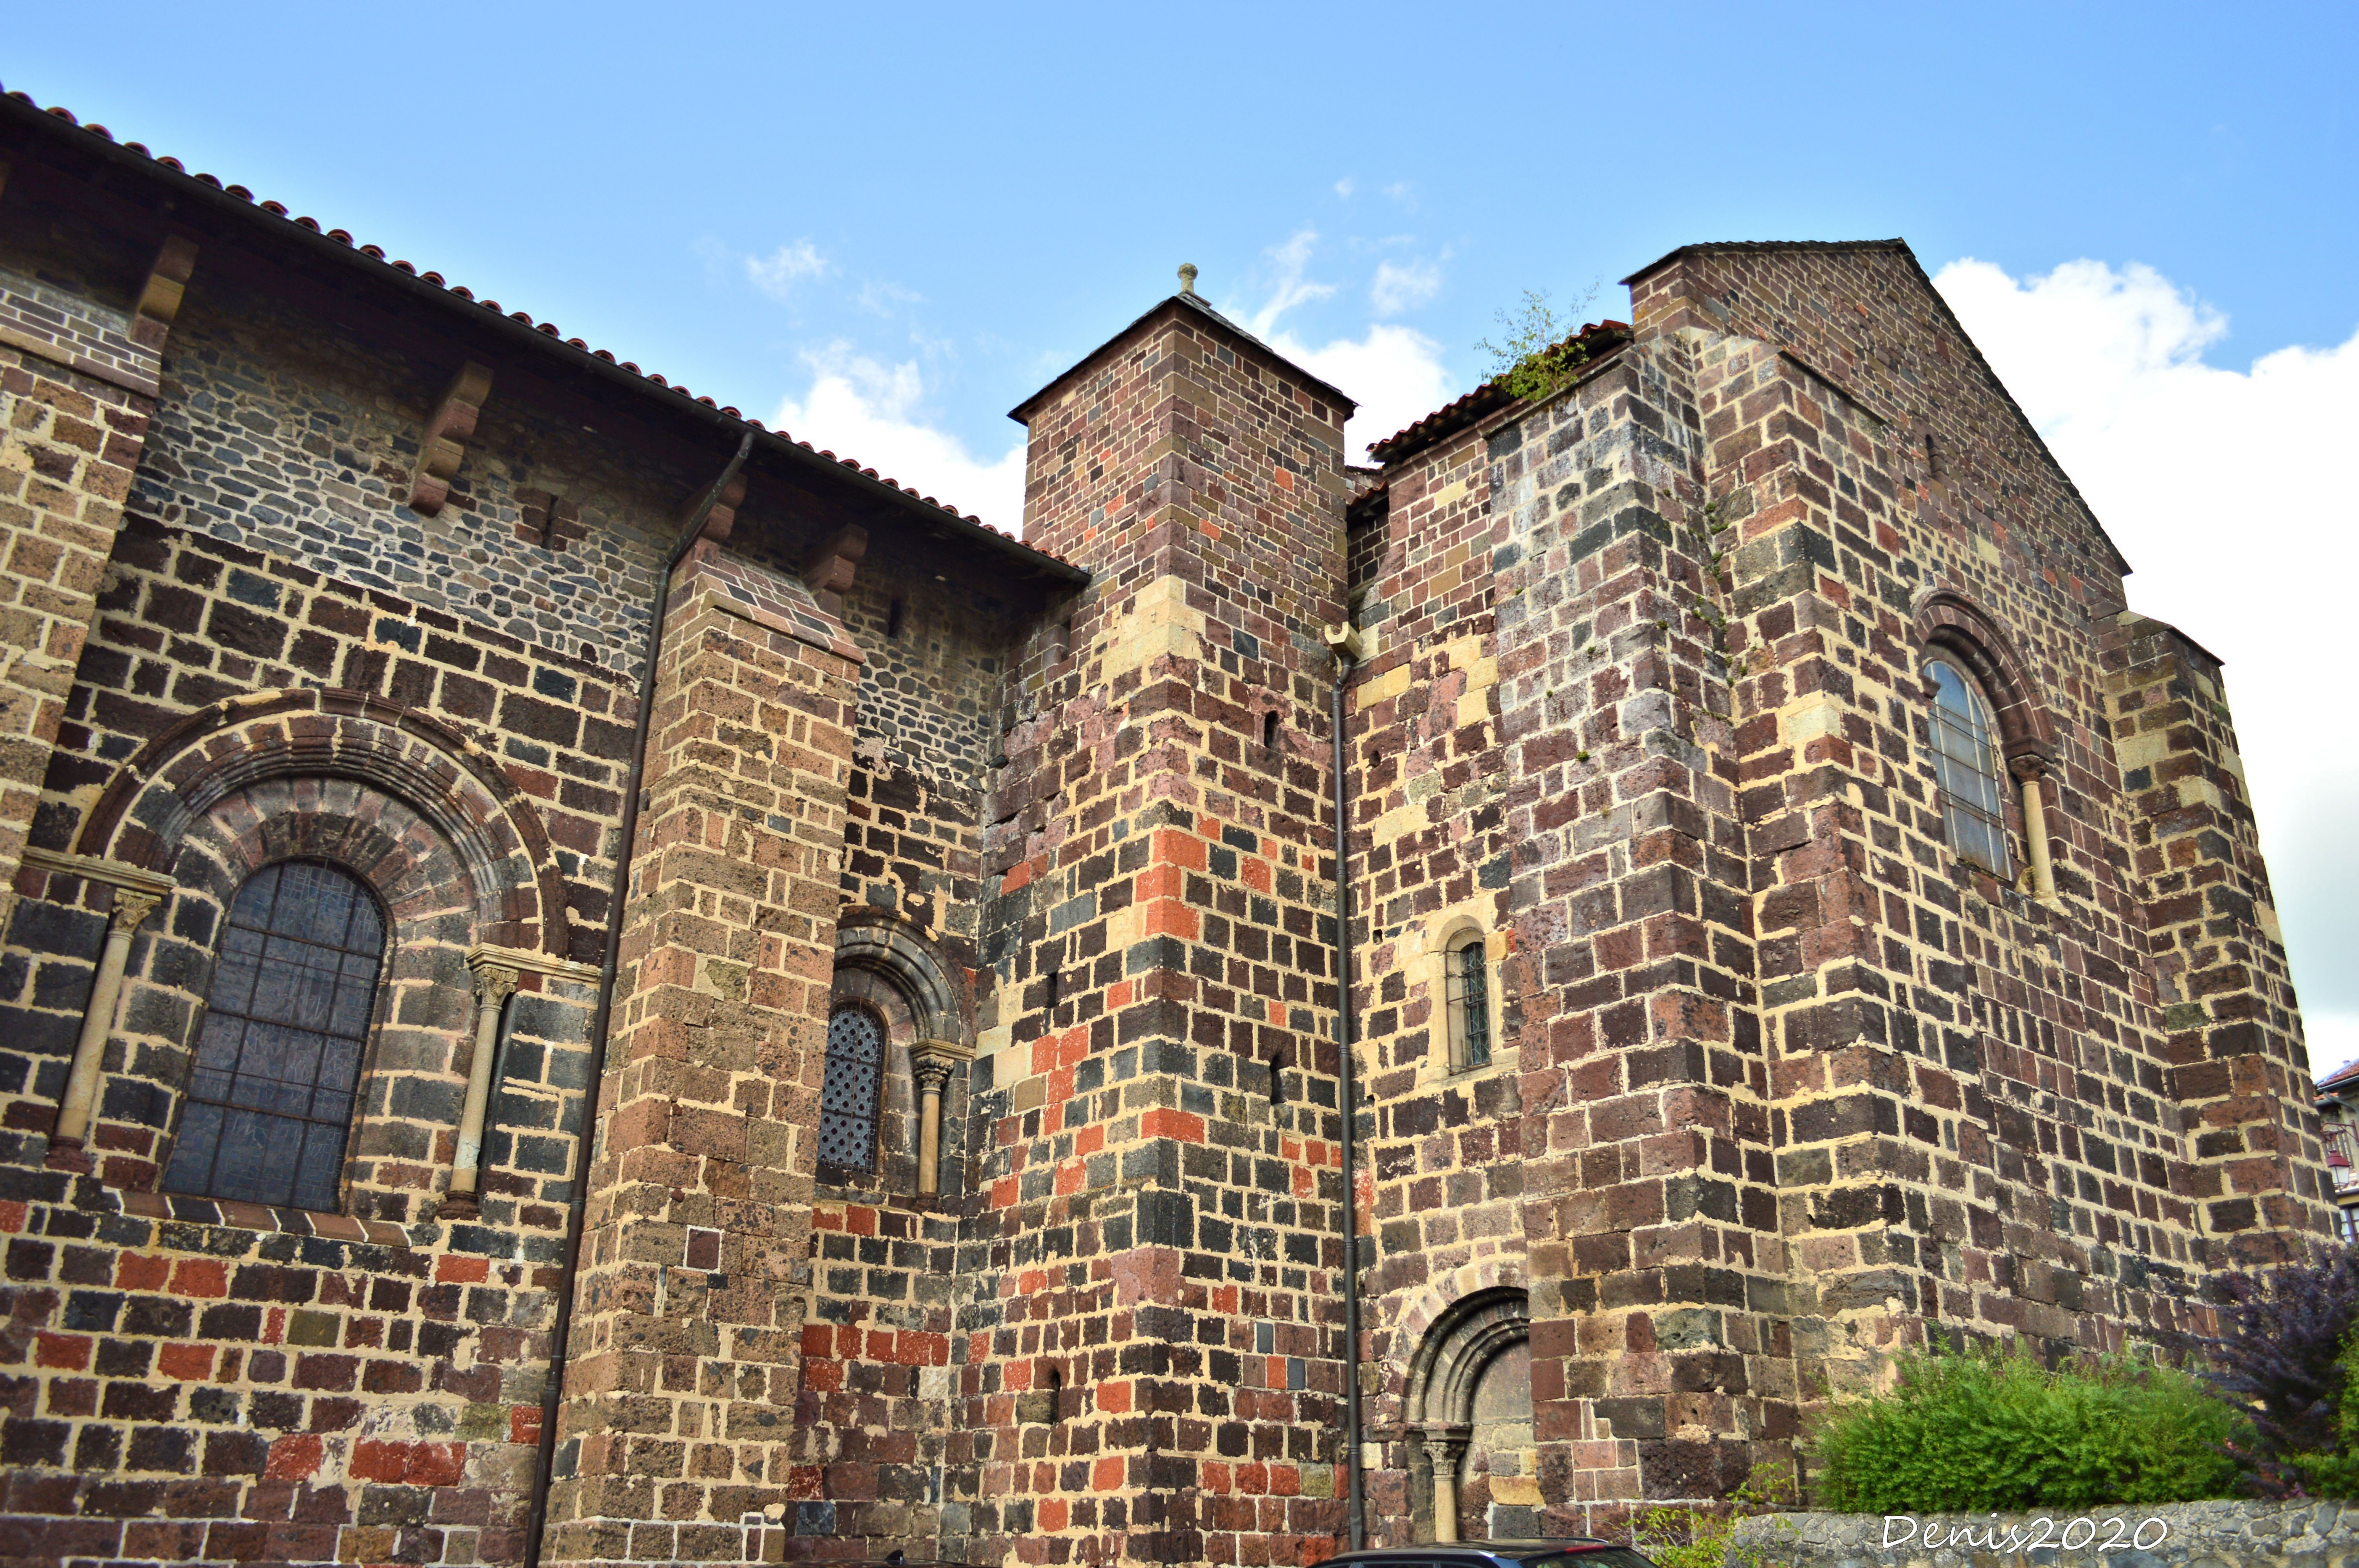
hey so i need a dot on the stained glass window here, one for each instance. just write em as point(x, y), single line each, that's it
point(270, 1098)
point(847, 1096)
point(1469, 1006)
point(1966, 766)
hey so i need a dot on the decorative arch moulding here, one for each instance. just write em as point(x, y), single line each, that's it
point(1945, 618)
point(431, 767)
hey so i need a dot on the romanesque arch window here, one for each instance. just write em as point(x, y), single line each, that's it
point(1466, 990)
point(850, 1091)
point(269, 1101)
point(1967, 768)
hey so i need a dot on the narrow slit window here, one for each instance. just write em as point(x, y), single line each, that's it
point(848, 1093)
point(1269, 728)
point(1469, 1004)
point(1966, 767)
point(893, 620)
point(269, 1101)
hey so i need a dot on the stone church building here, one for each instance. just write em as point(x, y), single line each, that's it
point(586, 983)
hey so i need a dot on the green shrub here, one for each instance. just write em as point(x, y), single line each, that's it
point(1987, 1430)
point(2334, 1472)
point(2283, 1354)
point(1703, 1538)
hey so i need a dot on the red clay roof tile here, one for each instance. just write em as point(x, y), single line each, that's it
point(375, 253)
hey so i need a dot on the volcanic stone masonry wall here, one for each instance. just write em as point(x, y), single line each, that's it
point(188, 1379)
point(685, 1367)
point(1782, 1085)
point(285, 429)
point(1778, 1085)
point(78, 367)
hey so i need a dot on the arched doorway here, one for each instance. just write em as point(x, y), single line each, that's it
point(1473, 1462)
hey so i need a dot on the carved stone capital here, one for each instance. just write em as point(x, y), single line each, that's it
point(2028, 765)
point(932, 1067)
point(132, 908)
point(495, 983)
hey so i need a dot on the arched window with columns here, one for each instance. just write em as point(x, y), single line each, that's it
point(887, 971)
point(1985, 729)
point(243, 1044)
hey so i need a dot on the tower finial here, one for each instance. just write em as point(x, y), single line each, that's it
point(1187, 279)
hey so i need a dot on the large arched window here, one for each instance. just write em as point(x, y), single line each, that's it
point(1966, 767)
point(848, 1094)
point(270, 1102)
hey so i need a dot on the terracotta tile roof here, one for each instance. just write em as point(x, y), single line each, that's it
point(968, 522)
point(1599, 336)
point(2343, 1077)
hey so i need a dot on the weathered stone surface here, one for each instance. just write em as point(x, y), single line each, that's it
point(2166, 1535)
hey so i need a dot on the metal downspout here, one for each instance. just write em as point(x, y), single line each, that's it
point(536, 1524)
point(1357, 1506)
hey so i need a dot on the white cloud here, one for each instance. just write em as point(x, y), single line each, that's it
point(2217, 485)
point(1291, 288)
point(1403, 285)
point(881, 298)
point(785, 267)
point(1395, 372)
point(1344, 187)
point(859, 407)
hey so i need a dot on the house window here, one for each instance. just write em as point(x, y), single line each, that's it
point(1467, 973)
point(270, 1102)
point(1966, 767)
point(848, 1094)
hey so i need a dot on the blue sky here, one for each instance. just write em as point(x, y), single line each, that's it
point(886, 226)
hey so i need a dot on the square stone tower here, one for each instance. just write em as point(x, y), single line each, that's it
point(1155, 1349)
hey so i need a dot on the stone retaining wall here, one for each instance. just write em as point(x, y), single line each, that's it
point(2193, 1535)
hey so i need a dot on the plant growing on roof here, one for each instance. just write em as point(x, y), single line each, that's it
point(1537, 354)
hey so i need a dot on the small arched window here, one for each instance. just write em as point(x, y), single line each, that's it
point(269, 1101)
point(1966, 767)
point(848, 1093)
point(1467, 986)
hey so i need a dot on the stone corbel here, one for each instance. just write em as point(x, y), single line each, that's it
point(828, 570)
point(136, 896)
point(723, 516)
point(931, 1063)
point(159, 298)
point(443, 443)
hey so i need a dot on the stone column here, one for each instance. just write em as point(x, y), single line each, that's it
point(495, 983)
point(1421, 1484)
point(933, 1068)
point(1447, 1447)
point(2029, 771)
point(66, 1144)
